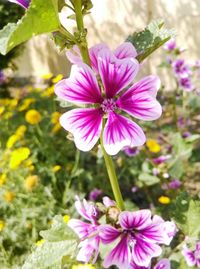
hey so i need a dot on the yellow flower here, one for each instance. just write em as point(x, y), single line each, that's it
point(2, 109)
point(3, 178)
point(33, 116)
point(47, 76)
point(66, 218)
point(56, 128)
point(26, 103)
point(18, 156)
point(153, 145)
point(2, 225)
point(57, 78)
point(48, 92)
point(7, 115)
point(12, 140)
point(31, 182)
point(56, 168)
point(9, 196)
point(40, 242)
point(55, 117)
point(21, 130)
point(12, 103)
point(164, 200)
point(83, 266)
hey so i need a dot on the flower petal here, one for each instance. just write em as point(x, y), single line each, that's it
point(163, 264)
point(189, 256)
point(119, 256)
point(142, 252)
point(108, 234)
point(120, 132)
point(81, 87)
point(82, 229)
point(85, 124)
point(135, 220)
point(74, 55)
point(86, 210)
point(125, 50)
point(135, 266)
point(116, 74)
point(89, 248)
point(139, 101)
point(93, 52)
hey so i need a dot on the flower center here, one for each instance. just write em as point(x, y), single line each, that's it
point(108, 105)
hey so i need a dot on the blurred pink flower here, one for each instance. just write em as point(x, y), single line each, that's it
point(192, 257)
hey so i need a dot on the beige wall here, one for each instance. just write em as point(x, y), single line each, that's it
point(111, 21)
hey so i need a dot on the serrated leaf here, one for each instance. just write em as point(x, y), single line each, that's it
point(150, 39)
point(60, 243)
point(41, 17)
point(186, 214)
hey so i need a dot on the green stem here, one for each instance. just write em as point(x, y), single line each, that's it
point(80, 25)
point(108, 160)
point(113, 178)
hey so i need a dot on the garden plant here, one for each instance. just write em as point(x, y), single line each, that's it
point(99, 169)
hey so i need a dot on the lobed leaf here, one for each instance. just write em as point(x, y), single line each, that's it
point(41, 17)
point(150, 39)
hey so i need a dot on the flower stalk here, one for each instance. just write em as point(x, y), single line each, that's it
point(108, 160)
point(82, 43)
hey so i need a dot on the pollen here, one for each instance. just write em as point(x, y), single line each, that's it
point(108, 105)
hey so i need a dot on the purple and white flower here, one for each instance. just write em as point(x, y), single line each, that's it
point(186, 84)
point(170, 45)
point(106, 99)
point(131, 152)
point(162, 264)
point(88, 231)
point(181, 69)
point(161, 159)
point(175, 184)
point(192, 257)
point(22, 3)
point(125, 50)
point(94, 194)
point(139, 236)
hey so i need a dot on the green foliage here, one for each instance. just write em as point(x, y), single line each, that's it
point(37, 20)
point(8, 14)
point(150, 39)
point(59, 242)
point(186, 213)
point(182, 150)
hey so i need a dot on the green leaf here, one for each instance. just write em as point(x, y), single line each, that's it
point(50, 254)
point(60, 244)
point(41, 17)
point(148, 180)
point(186, 213)
point(150, 39)
point(59, 231)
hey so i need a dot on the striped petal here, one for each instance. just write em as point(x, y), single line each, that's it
point(143, 252)
point(108, 233)
point(139, 101)
point(163, 264)
point(119, 256)
point(116, 74)
point(85, 124)
point(135, 220)
point(120, 132)
point(126, 50)
point(81, 87)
